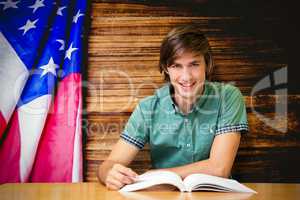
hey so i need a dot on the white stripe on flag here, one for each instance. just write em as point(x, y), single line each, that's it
point(77, 153)
point(32, 117)
point(13, 76)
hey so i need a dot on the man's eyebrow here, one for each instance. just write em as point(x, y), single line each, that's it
point(175, 63)
point(194, 62)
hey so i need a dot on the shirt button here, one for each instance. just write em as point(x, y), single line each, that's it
point(186, 120)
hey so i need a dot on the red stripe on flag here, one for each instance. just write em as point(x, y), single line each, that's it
point(10, 153)
point(2, 124)
point(54, 158)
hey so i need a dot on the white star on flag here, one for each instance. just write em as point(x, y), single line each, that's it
point(76, 17)
point(70, 51)
point(9, 4)
point(38, 4)
point(29, 25)
point(62, 42)
point(60, 9)
point(49, 68)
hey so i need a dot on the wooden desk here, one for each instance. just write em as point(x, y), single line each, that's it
point(32, 191)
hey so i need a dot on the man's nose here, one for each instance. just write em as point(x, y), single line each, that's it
point(186, 74)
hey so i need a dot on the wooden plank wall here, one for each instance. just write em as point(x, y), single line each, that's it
point(123, 54)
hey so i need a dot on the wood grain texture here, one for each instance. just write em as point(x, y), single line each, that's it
point(123, 53)
point(87, 191)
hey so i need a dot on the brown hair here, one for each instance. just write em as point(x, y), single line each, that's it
point(181, 39)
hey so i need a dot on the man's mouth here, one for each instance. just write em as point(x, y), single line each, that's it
point(187, 86)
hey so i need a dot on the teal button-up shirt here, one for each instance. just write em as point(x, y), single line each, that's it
point(176, 139)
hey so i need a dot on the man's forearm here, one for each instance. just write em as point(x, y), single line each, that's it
point(205, 167)
point(103, 169)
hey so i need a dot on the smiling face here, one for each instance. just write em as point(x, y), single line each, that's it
point(187, 75)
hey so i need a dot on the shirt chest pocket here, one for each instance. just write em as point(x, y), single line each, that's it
point(165, 135)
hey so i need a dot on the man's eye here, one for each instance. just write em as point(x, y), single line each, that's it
point(195, 65)
point(175, 66)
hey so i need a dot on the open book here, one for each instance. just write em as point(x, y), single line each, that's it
point(192, 182)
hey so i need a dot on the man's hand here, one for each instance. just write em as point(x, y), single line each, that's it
point(118, 176)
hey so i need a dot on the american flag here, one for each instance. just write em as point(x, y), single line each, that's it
point(41, 57)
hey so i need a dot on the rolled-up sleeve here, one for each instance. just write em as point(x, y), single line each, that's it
point(136, 130)
point(232, 115)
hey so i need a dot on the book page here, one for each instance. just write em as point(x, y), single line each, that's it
point(194, 182)
point(151, 196)
point(158, 177)
point(209, 187)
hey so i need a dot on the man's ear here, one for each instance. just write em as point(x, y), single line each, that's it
point(166, 71)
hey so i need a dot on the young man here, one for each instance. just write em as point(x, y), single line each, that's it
point(192, 125)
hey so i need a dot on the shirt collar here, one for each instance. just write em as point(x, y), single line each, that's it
point(165, 99)
point(164, 94)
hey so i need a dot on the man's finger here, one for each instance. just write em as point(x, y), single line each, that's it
point(123, 178)
point(111, 186)
point(127, 171)
point(112, 182)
